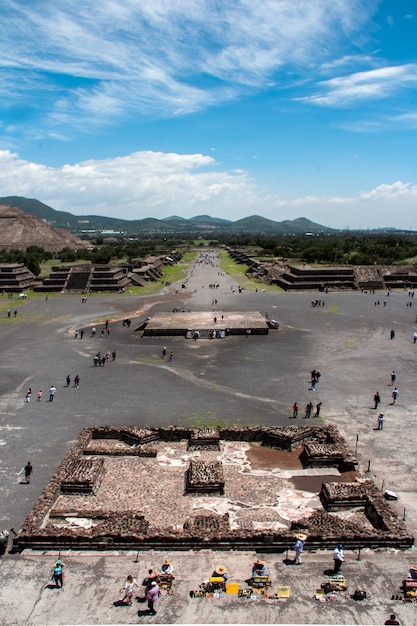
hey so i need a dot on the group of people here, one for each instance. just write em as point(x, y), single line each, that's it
point(151, 584)
point(308, 410)
point(338, 554)
point(100, 360)
point(52, 392)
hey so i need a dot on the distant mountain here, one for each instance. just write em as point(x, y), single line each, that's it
point(258, 224)
point(96, 224)
point(210, 221)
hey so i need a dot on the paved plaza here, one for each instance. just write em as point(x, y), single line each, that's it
point(235, 380)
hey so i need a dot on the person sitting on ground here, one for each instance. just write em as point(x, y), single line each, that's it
point(220, 572)
point(392, 620)
point(166, 569)
point(259, 568)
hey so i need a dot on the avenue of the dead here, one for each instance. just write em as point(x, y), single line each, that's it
point(240, 381)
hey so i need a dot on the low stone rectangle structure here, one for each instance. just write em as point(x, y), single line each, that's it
point(204, 439)
point(83, 476)
point(204, 477)
point(140, 500)
point(338, 496)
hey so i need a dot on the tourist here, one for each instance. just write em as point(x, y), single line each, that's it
point(164, 353)
point(414, 336)
point(77, 381)
point(40, 394)
point(58, 574)
point(171, 356)
point(29, 394)
point(392, 334)
point(146, 582)
point(68, 380)
point(129, 590)
point(28, 472)
point(309, 408)
point(377, 400)
point(318, 409)
point(152, 596)
point(381, 419)
point(299, 547)
point(393, 377)
point(338, 558)
point(52, 392)
point(113, 355)
point(395, 395)
point(295, 409)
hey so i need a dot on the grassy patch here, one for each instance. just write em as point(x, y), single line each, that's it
point(237, 272)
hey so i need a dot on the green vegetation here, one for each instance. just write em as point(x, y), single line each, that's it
point(237, 272)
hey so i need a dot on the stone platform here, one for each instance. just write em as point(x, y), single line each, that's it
point(133, 487)
point(185, 323)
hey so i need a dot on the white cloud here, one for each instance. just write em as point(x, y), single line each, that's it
point(377, 83)
point(92, 61)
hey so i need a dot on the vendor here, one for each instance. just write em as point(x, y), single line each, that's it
point(412, 573)
point(166, 568)
point(259, 568)
point(220, 572)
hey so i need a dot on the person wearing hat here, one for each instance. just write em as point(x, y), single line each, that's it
point(152, 596)
point(259, 568)
point(220, 572)
point(299, 547)
point(166, 568)
point(338, 558)
point(412, 572)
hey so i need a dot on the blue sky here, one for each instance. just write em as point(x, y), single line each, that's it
point(152, 108)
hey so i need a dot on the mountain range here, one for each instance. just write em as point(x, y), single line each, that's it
point(200, 224)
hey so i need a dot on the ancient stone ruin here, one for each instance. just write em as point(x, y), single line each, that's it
point(219, 488)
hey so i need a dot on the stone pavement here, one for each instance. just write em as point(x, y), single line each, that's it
point(236, 380)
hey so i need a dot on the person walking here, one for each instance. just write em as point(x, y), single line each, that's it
point(129, 590)
point(381, 419)
point(395, 395)
point(58, 574)
point(393, 377)
point(338, 558)
point(377, 400)
point(68, 380)
point(309, 408)
point(28, 472)
point(152, 596)
point(40, 394)
point(52, 392)
point(295, 409)
point(299, 547)
point(113, 355)
point(29, 394)
point(318, 409)
point(392, 334)
point(77, 381)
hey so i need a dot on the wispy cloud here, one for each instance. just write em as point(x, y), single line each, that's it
point(378, 83)
point(93, 61)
